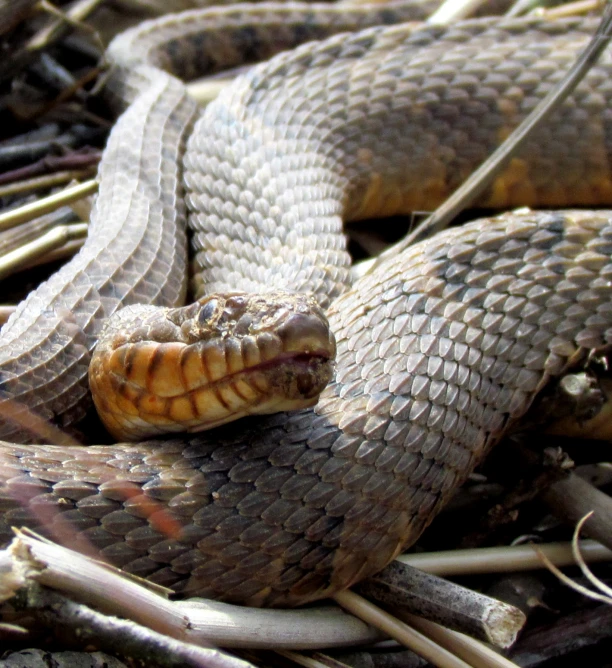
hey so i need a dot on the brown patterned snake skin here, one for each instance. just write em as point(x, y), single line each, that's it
point(439, 349)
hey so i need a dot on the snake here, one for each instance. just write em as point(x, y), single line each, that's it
point(441, 347)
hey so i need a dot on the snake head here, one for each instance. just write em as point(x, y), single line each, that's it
point(157, 370)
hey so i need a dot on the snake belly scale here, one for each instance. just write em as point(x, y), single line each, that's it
point(439, 349)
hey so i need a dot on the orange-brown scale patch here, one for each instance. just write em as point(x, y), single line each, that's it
point(162, 377)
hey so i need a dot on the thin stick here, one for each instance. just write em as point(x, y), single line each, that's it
point(408, 589)
point(51, 240)
point(10, 219)
point(301, 659)
point(503, 559)
point(22, 234)
point(470, 650)
point(390, 625)
point(63, 252)
point(47, 165)
point(46, 181)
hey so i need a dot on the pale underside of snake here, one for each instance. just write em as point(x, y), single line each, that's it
point(440, 348)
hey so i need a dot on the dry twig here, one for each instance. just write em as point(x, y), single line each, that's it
point(410, 590)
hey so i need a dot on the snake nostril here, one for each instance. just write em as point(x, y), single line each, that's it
point(315, 377)
point(308, 333)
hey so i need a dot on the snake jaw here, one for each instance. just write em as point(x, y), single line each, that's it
point(224, 357)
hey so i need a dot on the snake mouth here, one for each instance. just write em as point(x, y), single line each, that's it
point(215, 372)
point(289, 382)
point(295, 376)
point(181, 403)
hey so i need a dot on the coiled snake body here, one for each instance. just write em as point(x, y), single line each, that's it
point(439, 348)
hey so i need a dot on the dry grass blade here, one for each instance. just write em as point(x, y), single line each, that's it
point(417, 642)
point(523, 6)
point(586, 571)
point(596, 596)
point(474, 652)
point(74, 17)
point(573, 8)
point(453, 10)
point(502, 559)
point(301, 659)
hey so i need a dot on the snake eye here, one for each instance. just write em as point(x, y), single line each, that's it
point(207, 312)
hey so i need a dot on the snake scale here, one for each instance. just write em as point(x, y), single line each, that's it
point(440, 348)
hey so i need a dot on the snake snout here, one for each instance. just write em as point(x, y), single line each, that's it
point(209, 363)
